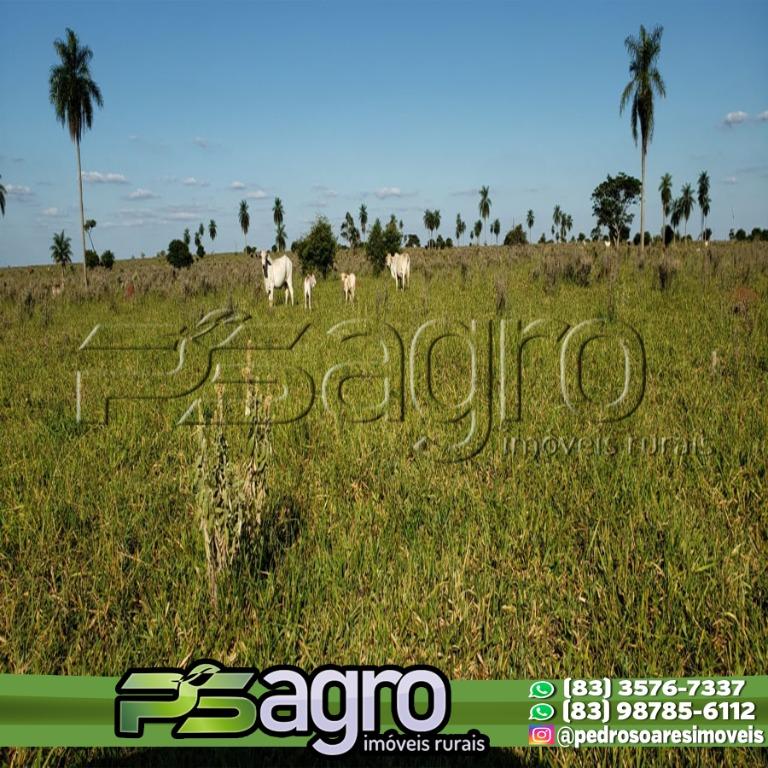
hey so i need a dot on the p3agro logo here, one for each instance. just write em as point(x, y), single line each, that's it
point(207, 700)
point(485, 378)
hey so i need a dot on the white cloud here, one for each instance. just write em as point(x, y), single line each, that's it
point(735, 118)
point(52, 212)
point(201, 142)
point(191, 181)
point(96, 177)
point(142, 194)
point(763, 117)
point(384, 192)
point(730, 180)
point(324, 191)
point(237, 185)
point(18, 191)
point(257, 194)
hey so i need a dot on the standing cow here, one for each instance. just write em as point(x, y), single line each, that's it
point(348, 282)
point(309, 283)
point(399, 266)
point(277, 274)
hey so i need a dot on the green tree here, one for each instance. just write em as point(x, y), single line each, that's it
point(676, 213)
point(611, 201)
point(91, 259)
point(557, 216)
point(515, 236)
point(73, 94)
point(317, 251)
point(61, 251)
point(704, 201)
point(686, 204)
point(665, 189)
point(375, 247)
point(2, 199)
point(107, 259)
point(212, 232)
point(178, 254)
point(187, 237)
point(477, 230)
point(245, 221)
point(484, 206)
point(496, 229)
point(530, 220)
point(280, 237)
point(645, 81)
point(461, 227)
point(363, 215)
point(277, 217)
point(393, 237)
point(349, 231)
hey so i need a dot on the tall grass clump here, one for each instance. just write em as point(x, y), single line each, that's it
point(231, 495)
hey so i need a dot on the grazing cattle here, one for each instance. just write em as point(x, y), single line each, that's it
point(400, 268)
point(56, 290)
point(348, 285)
point(607, 243)
point(277, 274)
point(309, 283)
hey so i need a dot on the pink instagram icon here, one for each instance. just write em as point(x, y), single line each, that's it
point(541, 735)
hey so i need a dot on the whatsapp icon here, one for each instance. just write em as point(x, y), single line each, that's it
point(541, 689)
point(542, 712)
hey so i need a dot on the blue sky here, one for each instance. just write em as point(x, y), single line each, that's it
point(402, 106)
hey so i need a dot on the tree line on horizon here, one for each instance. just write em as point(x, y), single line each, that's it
point(74, 95)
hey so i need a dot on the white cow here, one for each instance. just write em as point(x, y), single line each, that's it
point(277, 274)
point(348, 285)
point(400, 267)
point(309, 283)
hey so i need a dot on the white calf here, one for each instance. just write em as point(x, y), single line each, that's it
point(309, 283)
point(348, 285)
point(399, 266)
point(277, 274)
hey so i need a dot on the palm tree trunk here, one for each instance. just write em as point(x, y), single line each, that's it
point(82, 212)
point(642, 201)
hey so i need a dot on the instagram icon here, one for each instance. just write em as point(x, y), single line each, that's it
point(541, 735)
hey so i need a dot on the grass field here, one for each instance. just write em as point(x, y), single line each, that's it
point(506, 565)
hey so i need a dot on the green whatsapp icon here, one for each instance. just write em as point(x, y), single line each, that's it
point(541, 689)
point(542, 712)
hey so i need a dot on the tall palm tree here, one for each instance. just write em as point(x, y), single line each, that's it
point(2, 199)
point(90, 224)
point(461, 227)
point(349, 230)
point(429, 224)
point(530, 220)
point(665, 188)
point(686, 204)
point(496, 229)
point(73, 94)
point(186, 237)
point(280, 237)
point(484, 206)
point(676, 213)
point(363, 214)
point(436, 219)
point(61, 251)
point(245, 221)
point(645, 79)
point(277, 216)
point(212, 232)
point(557, 216)
point(704, 201)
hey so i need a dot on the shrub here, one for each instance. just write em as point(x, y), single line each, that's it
point(200, 251)
point(669, 235)
point(413, 242)
point(178, 255)
point(107, 259)
point(516, 236)
point(91, 259)
point(375, 248)
point(317, 250)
